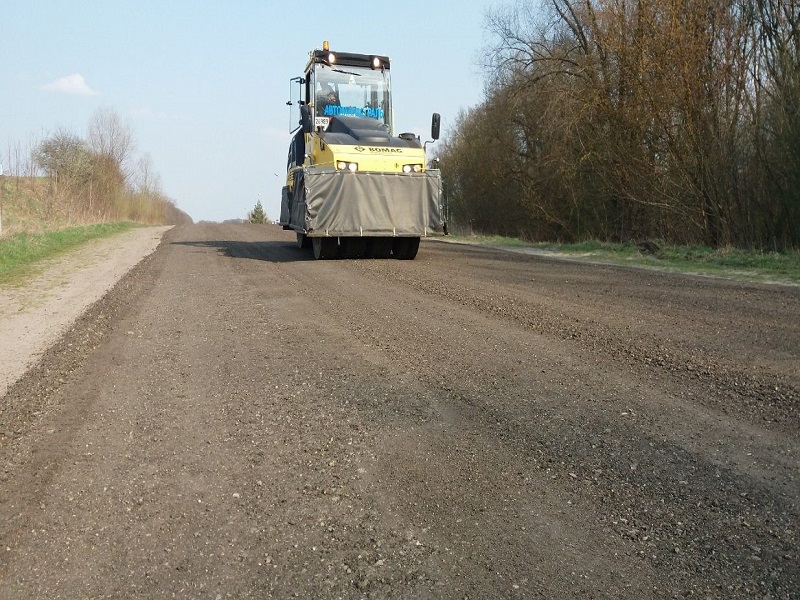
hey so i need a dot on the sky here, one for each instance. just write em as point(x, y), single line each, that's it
point(203, 85)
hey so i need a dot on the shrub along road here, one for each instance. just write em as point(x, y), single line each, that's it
point(235, 419)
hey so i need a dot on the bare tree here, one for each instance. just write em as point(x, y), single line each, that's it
point(776, 110)
point(623, 119)
point(87, 180)
point(146, 179)
point(111, 138)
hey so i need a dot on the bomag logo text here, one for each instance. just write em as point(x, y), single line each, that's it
point(380, 150)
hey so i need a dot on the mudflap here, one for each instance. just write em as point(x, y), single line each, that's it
point(364, 204)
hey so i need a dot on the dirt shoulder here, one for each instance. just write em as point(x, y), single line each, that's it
point(35, 315)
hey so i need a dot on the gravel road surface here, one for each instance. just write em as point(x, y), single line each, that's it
point(236, 420)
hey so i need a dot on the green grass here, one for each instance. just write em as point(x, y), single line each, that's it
point(732, 263)
point(23, 253)
point(491, 240)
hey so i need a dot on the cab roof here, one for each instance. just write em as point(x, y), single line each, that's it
point(348, 59)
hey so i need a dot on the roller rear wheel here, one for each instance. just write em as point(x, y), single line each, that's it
point(353, 247)
point(405, 248)
point(379, 247)
point(325, 247)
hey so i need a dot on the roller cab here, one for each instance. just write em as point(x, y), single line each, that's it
point(353, 187)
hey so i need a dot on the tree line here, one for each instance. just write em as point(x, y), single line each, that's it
point(95, 178)
point(619, 120)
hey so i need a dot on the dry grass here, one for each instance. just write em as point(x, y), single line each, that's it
point(36, 205)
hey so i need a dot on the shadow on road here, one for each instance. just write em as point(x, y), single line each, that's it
point(277, 252)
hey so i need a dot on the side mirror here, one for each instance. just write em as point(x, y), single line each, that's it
point(435, 125)
point(305, 119)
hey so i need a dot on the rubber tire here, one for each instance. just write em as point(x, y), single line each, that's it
point(405, 248)
point(379, 247)
point(325, 248)
point(353, 247)
point(303, 241)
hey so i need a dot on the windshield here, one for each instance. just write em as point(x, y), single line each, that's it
point(352, 91)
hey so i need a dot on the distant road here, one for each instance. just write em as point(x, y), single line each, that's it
point(235, 419)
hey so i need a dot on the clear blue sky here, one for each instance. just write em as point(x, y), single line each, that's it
point(204, 85)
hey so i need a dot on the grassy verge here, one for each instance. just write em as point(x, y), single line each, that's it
point(21, 254)
point(746, 265)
